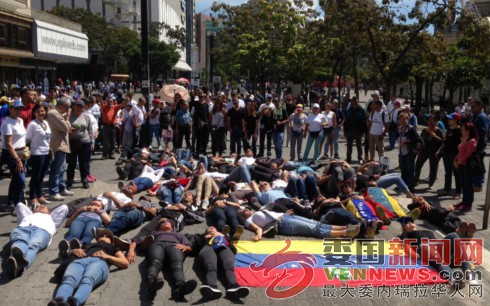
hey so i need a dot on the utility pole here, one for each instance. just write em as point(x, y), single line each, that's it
point(145, 70)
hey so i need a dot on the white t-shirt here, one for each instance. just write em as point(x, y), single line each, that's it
point(262, 219)
point(270, 105)
point(316, 122)
point(16, 129)
point(38, 137)
point(153, 175)
point(214, 175)
point(93, 123)
point(109, 203)
point(329, 117)
point(377, 127)
point(249, 161)
point(229, 104)
point(155, 120)
point(140, 116)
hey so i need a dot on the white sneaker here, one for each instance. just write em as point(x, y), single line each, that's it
point(56, 197)
point(67, 193)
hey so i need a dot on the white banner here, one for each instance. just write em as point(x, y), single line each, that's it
point(52, 42)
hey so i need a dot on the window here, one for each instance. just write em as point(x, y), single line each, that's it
point(22, 38)
point(3, 35)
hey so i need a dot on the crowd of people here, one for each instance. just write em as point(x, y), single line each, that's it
point(261, 190)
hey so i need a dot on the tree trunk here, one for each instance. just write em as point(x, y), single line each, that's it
point(356, 74)
point(419, 82)
point(426, 94)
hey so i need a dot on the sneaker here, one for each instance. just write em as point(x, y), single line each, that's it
point(64, 248)
point(56, 197)
point(226, 230)
point(85, 185)
point(205, 205)
point(238, 233)
point(185, 289)
point(96, 231)
point(463, 229)
point(20, 258)
point(34, 205)
point(471, 230)
point(120, 186)
point(59, 301)
point(210, 293)
point(67, 193)
point(75, 244)
point(380, 213)
point(370, 229)
point(154, 284)
point(43, 200)
point(352, 231)
point(89, 179)
point(123, 244)
point(147, 242)
point(12, 267)
point(328, 218)
point(238, 292)
point(415, 214)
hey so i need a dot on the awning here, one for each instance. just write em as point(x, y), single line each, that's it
point(182, 66)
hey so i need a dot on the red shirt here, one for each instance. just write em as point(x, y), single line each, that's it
point(109, 114)
point(465, 149)
point(26, 114)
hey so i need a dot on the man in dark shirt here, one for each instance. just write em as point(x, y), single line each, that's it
point(481, 122)
point(354, 127)
point(200, 123)
point(236, 127)
point(280, 117)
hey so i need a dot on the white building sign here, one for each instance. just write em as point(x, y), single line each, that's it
point(58, 44)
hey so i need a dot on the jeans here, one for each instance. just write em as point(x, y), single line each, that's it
point(40, 166)
point(296, 144)
point(31, 240)
point(465, 266)
point(342, 216)
point(240, 174)
point(407, 168)
point(466, 182)
point(109, 135)
point(433, 165)
point(217, 136)
point(162, 254)
point(18, 181)
point(171, 196)
point(236, 140)
point(448, 160)
point(82, 275)
point(390, 179)
point(291, 225)
point(351, 136)
point(80, 154)
point(155, 130)
point(223, 216)
point(278, 138)
point(57, 173)
point(392, 138)
point(263, 135)
point(126, 219)
point(143, 183)
point(309, 143)
point(296, 187)
point(209, 258)
point(183, 154)
point(81, 228)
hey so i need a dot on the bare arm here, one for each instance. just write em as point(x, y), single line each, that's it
point(257, 230)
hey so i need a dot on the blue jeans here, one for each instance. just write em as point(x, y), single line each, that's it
point(292, 225)
point(407, 168)
point(240, 174)
point(465, 266)
point(40, 165)
point(154, 130)
point(31, 240)
point(57, 173)
point(183, 154)
point(18, 181)
point(392, 138)
point(278, 139)
point(169, 172)
point(143, 183)
point(392, 179)
point(223, 216)
point(171, 196)
point(81, 228)
point(83, 275)
point(309, 143)
point(126, 219)
point(296, 187)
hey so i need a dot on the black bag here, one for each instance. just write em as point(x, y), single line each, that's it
point(475, 162)
point(314, 134)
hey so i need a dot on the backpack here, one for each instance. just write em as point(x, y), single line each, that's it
point(383, 113)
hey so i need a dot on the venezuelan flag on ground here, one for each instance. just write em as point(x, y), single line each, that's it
point(309, 262)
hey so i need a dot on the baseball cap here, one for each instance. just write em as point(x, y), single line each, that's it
point(316, 105)
point(299, 106)
point(17, 103)
point(269, 96)
point(454, 116)
point(196, 98)
point(335, 101)
point(375, 93)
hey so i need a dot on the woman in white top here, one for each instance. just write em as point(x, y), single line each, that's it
point(154, 116)
point(297, 122)
point(13, 144)
point(314, 125)
point(38, 136)
point(328, 130)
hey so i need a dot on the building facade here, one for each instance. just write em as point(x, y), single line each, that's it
point(33, 43)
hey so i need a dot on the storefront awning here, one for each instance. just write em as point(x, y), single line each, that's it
point(182, 66)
